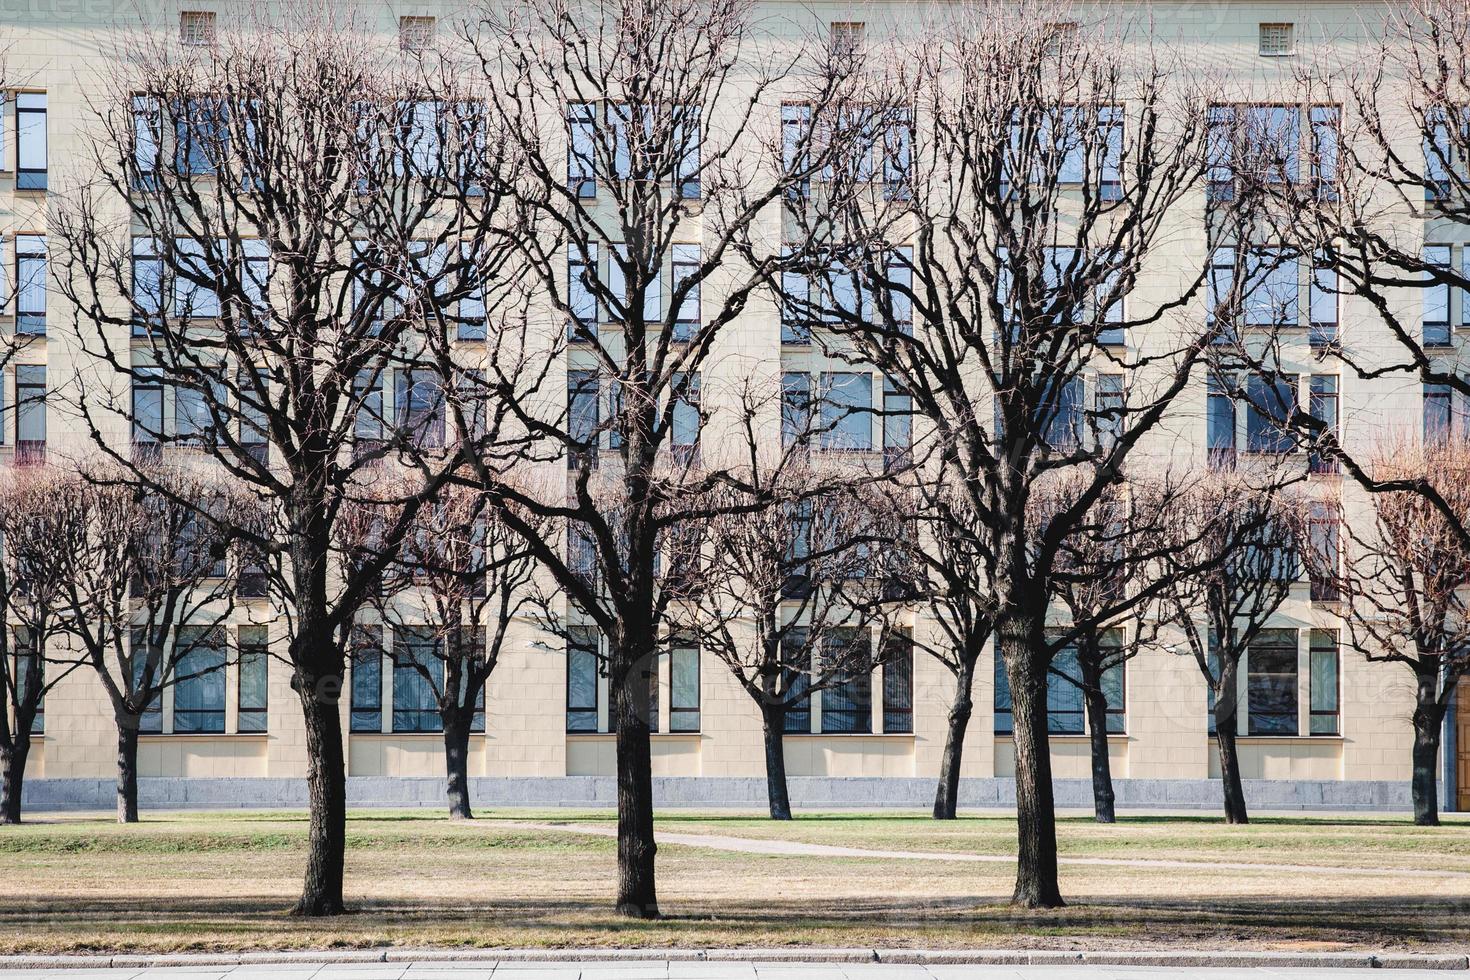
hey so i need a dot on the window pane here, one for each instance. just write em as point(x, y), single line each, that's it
point(367, 679)
point(684, 690)
point(847, 419)
point(1272, 683)
point(415, 695)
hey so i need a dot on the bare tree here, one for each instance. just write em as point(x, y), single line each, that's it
point(989, 275)
point(451, 595)
point(1234, 559)
point(646, 136)
point(1402, 582)
point(787, 591)
point(299, 188)
point(42, 522)
point(148, 591)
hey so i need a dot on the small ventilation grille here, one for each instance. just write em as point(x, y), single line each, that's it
point(1276, 40)
point(415, 33)
point(196, 27)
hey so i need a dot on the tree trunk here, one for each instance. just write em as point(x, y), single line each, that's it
point(1428, 723)
point(127, 769)
point(12, 779)
point(327, 786)
point(1097, 728)
point(1020, 643)
point(947, 796)
point(774, 720)
point(1226, 712)
point(637, 894)
point(456, 762)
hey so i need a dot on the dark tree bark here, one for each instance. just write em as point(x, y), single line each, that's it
point(1022, 646)
point(12, 780)
point(947, 797)
point(456, 761)
point(637, 894)
point(127, 768)
point(774, 722)
point(327, 788)
point(1428, 724)
point(1227, 710)
point(1097, 727)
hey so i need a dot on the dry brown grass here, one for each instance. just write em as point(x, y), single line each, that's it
point(225, 881)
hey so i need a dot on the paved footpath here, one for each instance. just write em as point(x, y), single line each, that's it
point(696, 970)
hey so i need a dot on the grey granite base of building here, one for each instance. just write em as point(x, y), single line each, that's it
point(808, 792)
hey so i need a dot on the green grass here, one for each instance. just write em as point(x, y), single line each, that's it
point(219, 881)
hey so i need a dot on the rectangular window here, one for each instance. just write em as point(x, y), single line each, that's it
point(1272, 299)
point(420, 407)
point(583, 417)
point(1061, 409)
point(617, 285)
point(147, 135)
point(796, 680)
point(253, 703)
point(1324, 534)
point(418, 677)
point(30, 284)
point(582, 680)
point(30, 145)
point(796, 407)
point(847, 705)
point(1439, 413)
point(1271, 683)
point(142, 658)
point(898, 143)
point(1065, 708)
point(202, 136)
point(1324, 689)
point(367, 395)
point(1004, 723)
point(1220, 148)
point(846, 411)
point(1271, 402)
point(795, 313)
point(898, 683)
point(30, 675)
point(898, 423)
point(1220, 294)
point(686, 144)
point(147, 411)
point(796, 140)
point(1322, 303)
point(1325, 139)
point(30, 413)
point(472, 305)
point(1323, 406)
point(194, 281)
point(199, 693)
point(147, 285)
point(688, 317)
point(367, 679)
point(582, 149)
point(1436, 296)
point(581, 297)
point(1110, 409)
point(684, 689)
point(1439, 162)
point(685, 421)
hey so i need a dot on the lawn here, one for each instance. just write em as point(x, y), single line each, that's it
point(225, 881)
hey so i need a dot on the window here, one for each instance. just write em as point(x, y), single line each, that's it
point(471, 320)
point(147, 135)
point(1271, 298)
point(1277, 40)
point(255, 273)
point(1436, 296)
point(1060, 414)
point(847, 704)
point(199, 694)
point(1220, 294)
point(30, 146)
point(796, 407)
point(684, 689)
point(1065, 705)
point(1110, 409)
point(685, 422)
point(254, 579)
point(1004, 722)
point(583, 686)
point(1324, 531)
point(422, 128)
point(420, 404)
point(898, 683)
point(686, 143)
point(687, 318)
point(141, 659)
point(1269, 141)
point(1271, 683)
point(1440, 416)
point(1323, 683)
point(583, 417)
point(418, 677)
point(30, 413)
point(796, 142)
point(196, 27)
point(367, 679)
point(796, 325)
point(846, 411)
point(202, 136)
point(898, 434)
point(1271, 402)
point(1322, 303)
point(415, 33)
point(1212, 660)
point(147, 411)
point(1325, 139)
point(581, 299)
point(898, 152)
point(30, 284)
point(194, 281)
point(193, 421)
point(253, 703)
point(252, 427)
point(582, 149)
point(847, 37)
point(1442, 166)
point(147, 285)
point(1323, 405)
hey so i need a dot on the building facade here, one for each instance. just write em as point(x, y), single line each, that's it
point(1313, 709)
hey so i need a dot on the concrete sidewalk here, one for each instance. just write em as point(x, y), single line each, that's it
point(735, 964)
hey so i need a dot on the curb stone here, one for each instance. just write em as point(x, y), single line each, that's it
point(1386, 960)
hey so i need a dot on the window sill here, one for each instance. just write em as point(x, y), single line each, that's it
point(590, 735)
point(1287, 739)
point(163, 736)
point(885, 735)
point(433, 735)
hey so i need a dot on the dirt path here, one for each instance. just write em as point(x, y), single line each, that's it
point(750, 845)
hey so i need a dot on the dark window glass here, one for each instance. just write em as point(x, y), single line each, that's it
point(367, 679)
point(418, 677)
point(254, 695)
point(1271, 683)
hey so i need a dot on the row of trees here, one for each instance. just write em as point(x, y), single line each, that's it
point(278, 223)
